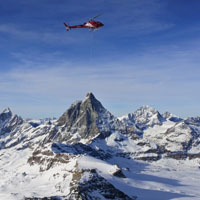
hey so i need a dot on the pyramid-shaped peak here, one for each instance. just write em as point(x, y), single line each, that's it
point(87, 118)
point(91, 101)
point(6, 114)
point(90, 95)
point(7, 110)
point(89, 106)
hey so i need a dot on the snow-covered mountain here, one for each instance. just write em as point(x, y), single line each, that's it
point(90, 154)
point(143, 118)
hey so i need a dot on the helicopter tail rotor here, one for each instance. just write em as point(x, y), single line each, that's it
point(67, 27)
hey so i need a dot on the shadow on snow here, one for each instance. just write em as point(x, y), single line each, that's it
point(132, 170)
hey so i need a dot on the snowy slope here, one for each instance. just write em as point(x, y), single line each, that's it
point(90, 154)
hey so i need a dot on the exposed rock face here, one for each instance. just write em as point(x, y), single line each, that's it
point(119, 174)
point(143, 118)
point(47, 159)
point(193, 121)
point(6, 114)
point(82, 117)
point(95, 187)
point(9, 127)
point(45, 198)
point(180, 134)
point(171, 117)
point(9, 122)
point(86, 119)
point(80, 149)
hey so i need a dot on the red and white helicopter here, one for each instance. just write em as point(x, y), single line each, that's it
point(91, 24)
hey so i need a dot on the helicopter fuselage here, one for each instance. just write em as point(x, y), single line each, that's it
point(90, 24)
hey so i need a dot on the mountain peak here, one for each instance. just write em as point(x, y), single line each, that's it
point(91, 101)
point(90, 95)
point(7, 110)
point(147, 116)
point(146, 108)
point(6, 114)
point(85, 119)
point(82, 117)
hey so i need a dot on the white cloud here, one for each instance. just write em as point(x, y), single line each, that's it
point(52, 36)
point(155, 77)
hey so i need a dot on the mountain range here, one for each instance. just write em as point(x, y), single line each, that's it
point(88, 153)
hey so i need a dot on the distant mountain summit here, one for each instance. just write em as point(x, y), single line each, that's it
point(148, 116)
point(6, 114)
point(144, 117)
point(9, 124)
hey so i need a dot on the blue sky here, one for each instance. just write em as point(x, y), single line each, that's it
point(146, 54)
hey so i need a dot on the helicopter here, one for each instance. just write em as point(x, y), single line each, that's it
point(91, 24)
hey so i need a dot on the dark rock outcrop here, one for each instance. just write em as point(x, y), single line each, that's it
point(94, 187)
